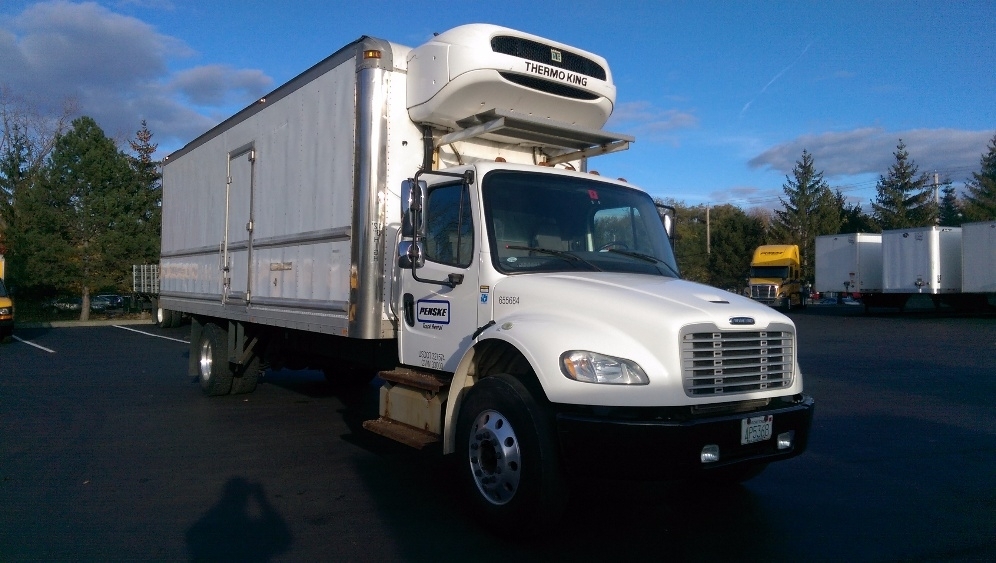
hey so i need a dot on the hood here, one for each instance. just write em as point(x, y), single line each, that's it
point(643, 301)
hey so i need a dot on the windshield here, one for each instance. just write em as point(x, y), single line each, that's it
point(3, 290)
point(546, 223)
point(780, 272)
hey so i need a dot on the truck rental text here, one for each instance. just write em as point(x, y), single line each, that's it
point(427, 215)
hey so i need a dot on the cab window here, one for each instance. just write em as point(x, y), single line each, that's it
point(449, 225)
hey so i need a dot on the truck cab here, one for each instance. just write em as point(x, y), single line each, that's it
point(554, 296)
point(775, 276)
point(6, 312)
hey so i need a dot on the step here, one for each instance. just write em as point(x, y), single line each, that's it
point(399, 432)
point(427, 381)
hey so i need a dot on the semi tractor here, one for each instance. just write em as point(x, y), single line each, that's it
point(775, 277)
point(429, 214)
point(6, 306)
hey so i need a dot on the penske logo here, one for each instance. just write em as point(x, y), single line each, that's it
point(433, 311)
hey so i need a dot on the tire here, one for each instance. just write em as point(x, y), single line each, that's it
point(164, 317)
point(507, 457)
point(734, 475)
point(246, 377)
point(213, 369)
point(175, 319)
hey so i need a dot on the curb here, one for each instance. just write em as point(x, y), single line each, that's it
point(71, 324)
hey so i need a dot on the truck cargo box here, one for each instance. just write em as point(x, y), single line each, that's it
point(922, 260)
point(851, 259)
point(978, 257)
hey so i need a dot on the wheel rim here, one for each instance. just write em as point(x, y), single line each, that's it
point(495, 457)
point(206, 359)
point(160, 315)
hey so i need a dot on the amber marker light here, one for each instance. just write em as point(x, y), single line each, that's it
point(373, 54)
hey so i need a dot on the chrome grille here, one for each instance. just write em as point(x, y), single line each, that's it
point(716, 362)
point(763, 292)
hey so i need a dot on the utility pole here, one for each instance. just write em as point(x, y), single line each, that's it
point(708, 234)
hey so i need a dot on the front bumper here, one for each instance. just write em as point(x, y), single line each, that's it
point(614, 447)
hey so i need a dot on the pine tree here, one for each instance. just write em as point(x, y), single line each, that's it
point(980, 199)
point(78, 218)
point(949, 213)
point(904, 199)
point(13, 180)
point(809, 209)
point(853, 219)
point(147, 221)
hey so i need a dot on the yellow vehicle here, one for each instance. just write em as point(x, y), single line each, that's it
point(775, 277)
point(6, 312)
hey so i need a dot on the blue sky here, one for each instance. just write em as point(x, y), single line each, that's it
point(721, 96)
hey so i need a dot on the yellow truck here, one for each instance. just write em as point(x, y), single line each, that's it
point(6, 307)
point(775, 277)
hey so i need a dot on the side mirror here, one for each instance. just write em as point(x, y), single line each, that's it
point(411, 207)
point(668, 215)
point(410, 254)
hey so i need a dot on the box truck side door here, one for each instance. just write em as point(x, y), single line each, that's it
point(438, 321)
point(238, 224)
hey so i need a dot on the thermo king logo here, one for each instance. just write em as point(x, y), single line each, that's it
point(433, 311)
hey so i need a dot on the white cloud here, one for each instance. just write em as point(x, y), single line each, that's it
point(648, 122)
point(215, 85)
point(116, 67)
point(869, 150)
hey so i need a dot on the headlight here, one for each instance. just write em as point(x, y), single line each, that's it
point(4, 311)
point(590, 367)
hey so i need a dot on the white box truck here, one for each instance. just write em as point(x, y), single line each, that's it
point(428, 213)
point(849, 263)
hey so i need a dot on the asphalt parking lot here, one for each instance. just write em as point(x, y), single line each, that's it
point(108, 451)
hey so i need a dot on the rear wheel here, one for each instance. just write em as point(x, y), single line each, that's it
point(164, 317)
point(507, 456)
point(212, 362)
point(246, 377)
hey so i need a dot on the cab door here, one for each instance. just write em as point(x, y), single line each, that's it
point(439, 299)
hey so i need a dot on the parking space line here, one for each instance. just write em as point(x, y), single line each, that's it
point(33, 344)
point(150, 334)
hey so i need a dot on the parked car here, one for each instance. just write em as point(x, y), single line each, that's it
point(99, 304)
point(114, 301)
point(64, 304)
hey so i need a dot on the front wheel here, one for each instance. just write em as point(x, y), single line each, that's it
point(507, 456)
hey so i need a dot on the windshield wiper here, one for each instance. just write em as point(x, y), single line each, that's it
point(570, 257)
point(646, 258)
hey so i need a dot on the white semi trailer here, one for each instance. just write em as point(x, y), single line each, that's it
point(428, 213)
point(849, 263)
point(953, 266)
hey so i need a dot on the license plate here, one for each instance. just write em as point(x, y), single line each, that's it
point(755, 429)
